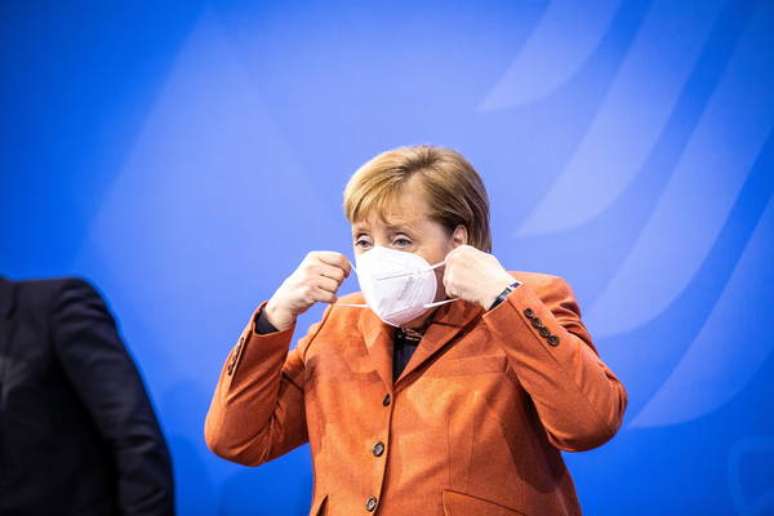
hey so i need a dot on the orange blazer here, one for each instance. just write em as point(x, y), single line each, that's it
point(474, 425)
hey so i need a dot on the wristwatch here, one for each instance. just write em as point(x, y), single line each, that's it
point(510, 288)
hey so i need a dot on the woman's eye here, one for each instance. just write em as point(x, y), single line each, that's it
point(402, 242)
point(361, 243)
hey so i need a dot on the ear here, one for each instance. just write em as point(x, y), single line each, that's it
point(459, 236)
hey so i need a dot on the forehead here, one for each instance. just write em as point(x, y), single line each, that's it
point(406, 210)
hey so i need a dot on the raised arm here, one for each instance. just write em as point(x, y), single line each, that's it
point(257, 411)
point(579, 400)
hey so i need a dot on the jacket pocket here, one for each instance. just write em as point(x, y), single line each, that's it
point(456, 503)
point(320, 507)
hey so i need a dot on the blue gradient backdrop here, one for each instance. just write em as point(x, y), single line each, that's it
point(185, 155)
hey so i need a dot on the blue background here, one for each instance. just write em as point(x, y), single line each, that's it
point(185, 156)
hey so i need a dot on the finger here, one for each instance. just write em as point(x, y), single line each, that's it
point(452, 255)
point(446, 283)
point(335, 259)
point(450, 285)
point(447, 273)
point(336, 273)
point(324, 296)
point(327, 284)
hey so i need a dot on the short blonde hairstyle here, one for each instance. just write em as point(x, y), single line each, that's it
point(453, 189)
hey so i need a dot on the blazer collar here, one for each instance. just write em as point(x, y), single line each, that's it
point(449, 320)
point(6, 297)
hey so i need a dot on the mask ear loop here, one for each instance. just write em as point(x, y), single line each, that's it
point(439, 303)
point(353, 305)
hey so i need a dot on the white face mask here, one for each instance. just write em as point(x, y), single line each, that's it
point(397, 285)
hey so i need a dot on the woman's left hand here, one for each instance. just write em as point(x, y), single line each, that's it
point(475, 276)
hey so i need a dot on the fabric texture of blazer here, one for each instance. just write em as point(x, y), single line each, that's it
point(78, 435)
point(474, 425)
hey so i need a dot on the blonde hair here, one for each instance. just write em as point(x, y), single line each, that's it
point(452, 188)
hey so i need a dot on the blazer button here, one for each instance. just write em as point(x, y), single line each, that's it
point(537, 323)
point(529, 313)
point(387, 399)
point(371, 503)
point(545, 332)
point(378, 448)
point(553, 340)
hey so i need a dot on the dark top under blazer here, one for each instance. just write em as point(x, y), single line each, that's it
point(77, 431)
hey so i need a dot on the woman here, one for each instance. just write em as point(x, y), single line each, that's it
point(452, 393)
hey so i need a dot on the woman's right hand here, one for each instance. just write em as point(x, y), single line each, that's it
point(317, 278)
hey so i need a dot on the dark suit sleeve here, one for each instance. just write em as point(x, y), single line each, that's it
point(110, 387)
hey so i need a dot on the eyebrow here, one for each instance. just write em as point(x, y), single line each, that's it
point(390, 227)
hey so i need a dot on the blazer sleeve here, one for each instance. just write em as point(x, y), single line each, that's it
point(257, 411)
point(103, 374)
point(578, 399)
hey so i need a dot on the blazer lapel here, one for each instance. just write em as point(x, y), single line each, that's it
point(378, 340)
point(448, 321)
